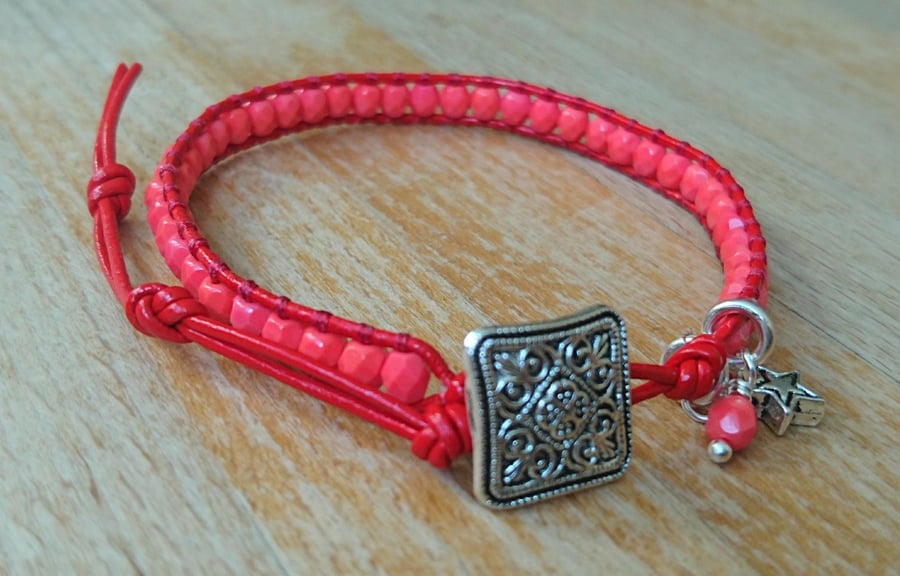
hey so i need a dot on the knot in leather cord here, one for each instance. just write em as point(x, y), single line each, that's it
point(445, 434)
point(698, 364)
point(114, 182)
point(156, 309)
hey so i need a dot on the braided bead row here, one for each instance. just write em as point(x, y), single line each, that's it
point(398, 363)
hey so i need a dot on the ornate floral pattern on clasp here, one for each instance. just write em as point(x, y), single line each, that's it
point(555, 406)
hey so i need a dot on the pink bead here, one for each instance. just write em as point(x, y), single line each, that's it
point(218, 130)
point(646, 158)
point(192, 274)
point(166, 228)
point(671, 170)
point(543, 116)
point(597, 133)
point(206, 148)
point(405, 376)
point(188, 172)
point(313, 105)
point(339, 100)
point(287, 109)
point(514, 108)
point(174, 253)
point(238, 125)
point(424, 99)
point(572, 123)
point(323, 347)
point(694, 177)
point(156, 211)
point(282, 331)
point(395, 100)
point(707, 193)
point(731, 291)
point(620, 146)
point(736, 257)
point(738, 273)
point(485, 103)
point(735, 241)
point(724, 227)
point(721, 208)
point(366, 100)
point(363, 362)
point(248, 316)
point(262, 117)
point(193, 161)
point(217, 298)
point(186, 181)
point(732, 419)
point(153, 191)
point(455, 101)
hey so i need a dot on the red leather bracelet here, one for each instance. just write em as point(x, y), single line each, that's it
point(544, 407)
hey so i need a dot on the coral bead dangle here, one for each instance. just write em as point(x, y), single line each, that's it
point(731, 424)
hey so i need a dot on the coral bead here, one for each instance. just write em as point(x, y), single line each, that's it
point(405, 376)
point(543, 116)
point(694, 178)
point(720, 208)
point(711, 190)
point(206, 148)
point(366, 100)
point(572, 123)
point(736, 241)
point(174, 253)
point(363, 362)
point(339, 100)
point(321, 346)
point(732, 419)
point(597, 133)
point(485, 103)
point(192, 274)
point(424, 99)
point(248, 316)
point(262, 117)
point(217, 298)
point(671, 170)
point(725, 227)
point(646, 158)
point(621, 145)
point(239, 128)
point(282, 331)
point(314, 105)
point(218, 130)
point(395, 99)
point(156, 211)
point(514, 108)
point(455, 101)
point(166, 228)
point(287, 109)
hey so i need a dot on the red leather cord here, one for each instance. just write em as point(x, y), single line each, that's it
point(437, 425)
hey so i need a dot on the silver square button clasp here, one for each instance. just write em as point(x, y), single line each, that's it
point(549, 406)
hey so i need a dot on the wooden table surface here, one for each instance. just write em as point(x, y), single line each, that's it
point(121, 454)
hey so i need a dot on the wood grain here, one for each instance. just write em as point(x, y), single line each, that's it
point(120, 454)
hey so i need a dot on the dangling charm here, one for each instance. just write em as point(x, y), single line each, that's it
point(747, 392)
point(731, 424)
point(781, 401)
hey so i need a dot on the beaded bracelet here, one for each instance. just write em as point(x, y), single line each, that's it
point(545, 408)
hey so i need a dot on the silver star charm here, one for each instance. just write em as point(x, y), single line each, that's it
point(781, 401)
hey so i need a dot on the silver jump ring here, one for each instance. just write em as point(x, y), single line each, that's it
point(753, 311)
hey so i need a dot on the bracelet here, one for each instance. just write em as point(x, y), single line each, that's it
point(544, 408)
